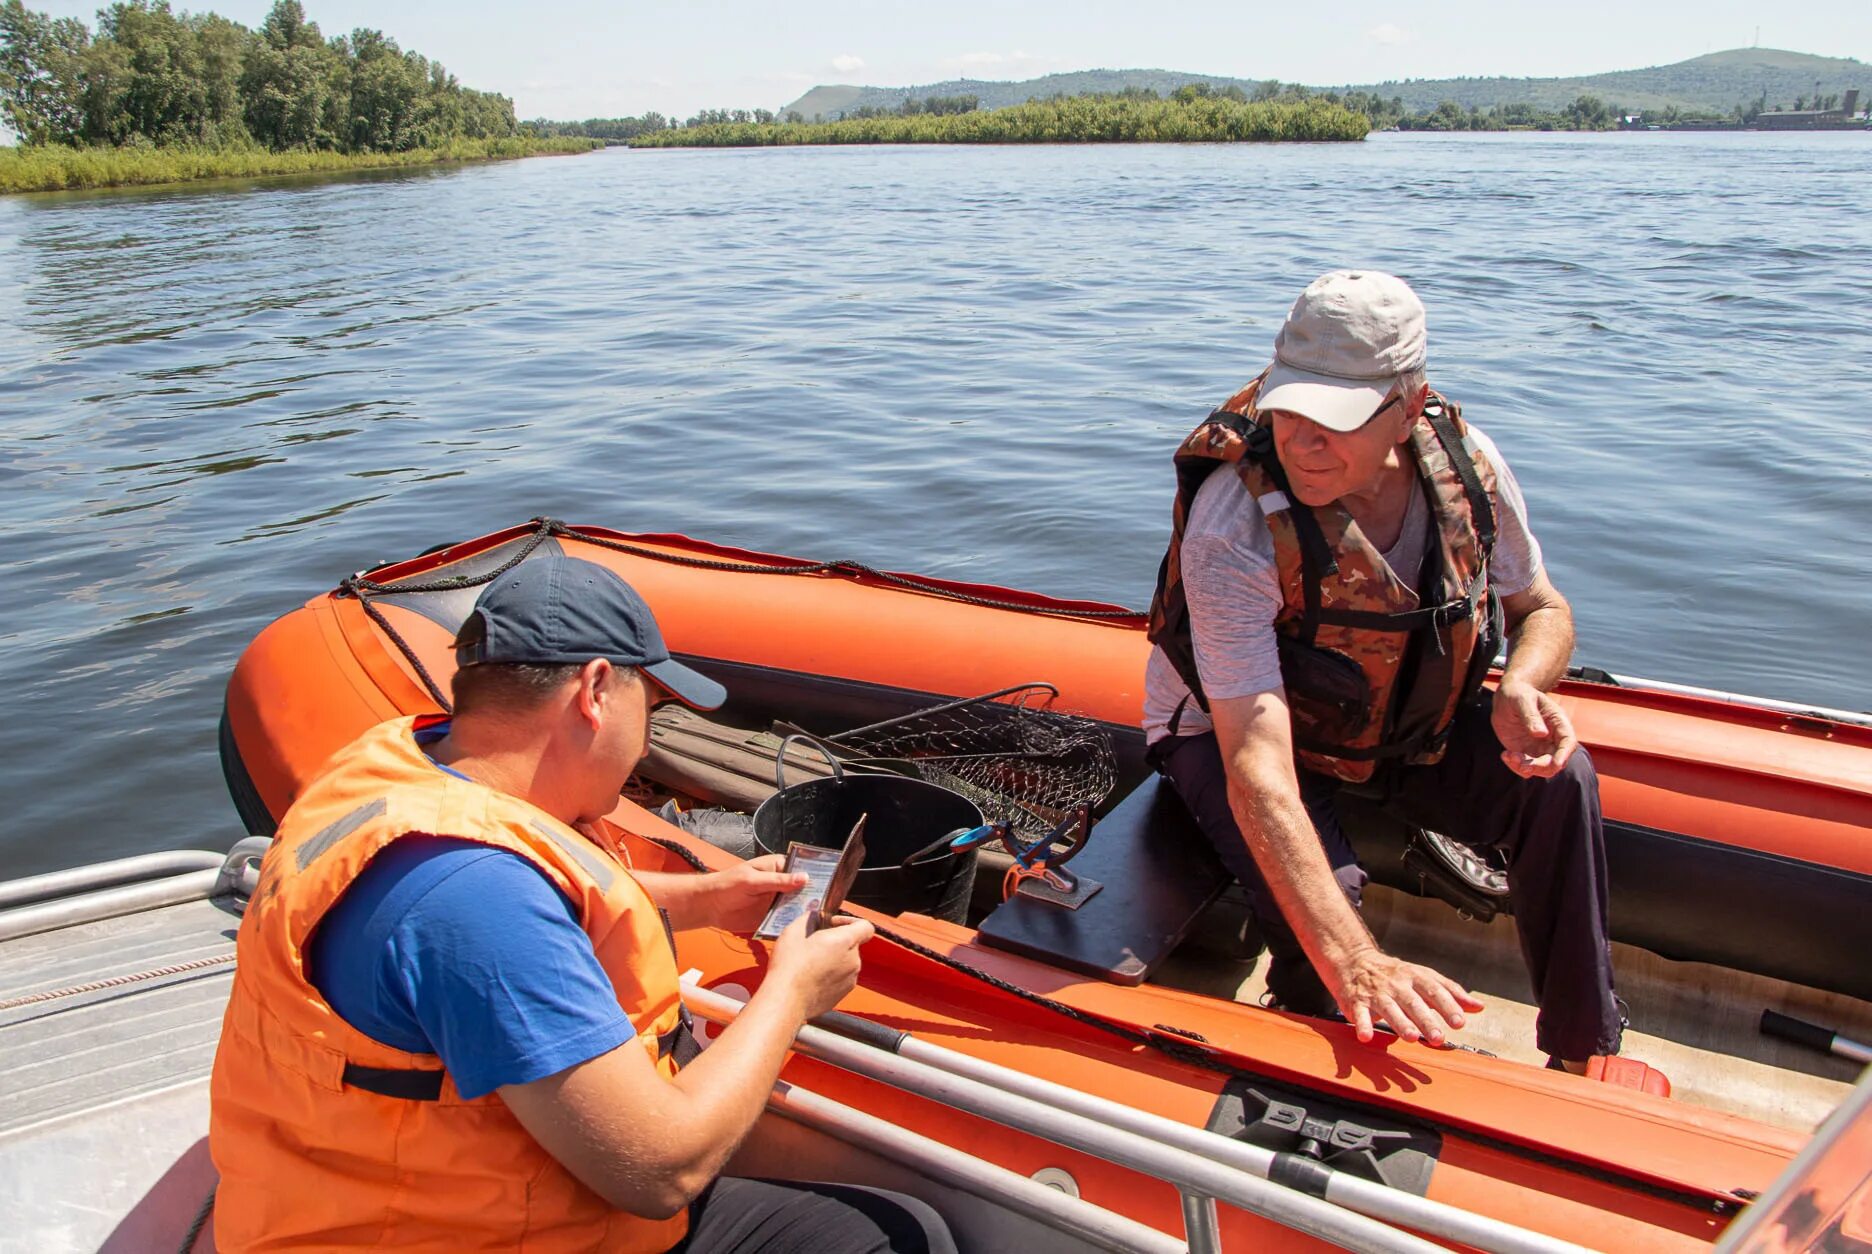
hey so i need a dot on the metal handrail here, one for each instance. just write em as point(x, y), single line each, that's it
point(1342, 1188)
point(944, 1164)
point(1190, 1173)
point(49, 916)
point(98, 875)
point(89, 894)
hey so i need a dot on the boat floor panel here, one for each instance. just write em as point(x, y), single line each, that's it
point(1697, 1024)
point(78, 1053)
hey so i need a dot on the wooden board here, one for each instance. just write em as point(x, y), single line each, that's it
point(721, 765)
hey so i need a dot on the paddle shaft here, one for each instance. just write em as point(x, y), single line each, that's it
point(1827, 1041)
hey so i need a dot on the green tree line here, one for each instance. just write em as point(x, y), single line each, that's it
point(1195, 111)
point(622, 130)
point(1121, 116)
point(1104, 121)
point(610, 130)
point(937, 106)
point(149, 76)
point(1584, 114)
point(1064, 120)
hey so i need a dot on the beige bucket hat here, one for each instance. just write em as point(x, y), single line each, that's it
point(1345, 342)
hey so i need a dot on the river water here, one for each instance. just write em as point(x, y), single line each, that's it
point(972, 362)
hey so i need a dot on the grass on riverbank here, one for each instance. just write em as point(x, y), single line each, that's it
point(1075, 120)
point(52, 167)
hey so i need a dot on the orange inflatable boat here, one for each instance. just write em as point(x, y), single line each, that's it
point(1737, 835)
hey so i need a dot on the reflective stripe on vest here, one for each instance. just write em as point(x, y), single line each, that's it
point(1370, 673)
point(325, 1137)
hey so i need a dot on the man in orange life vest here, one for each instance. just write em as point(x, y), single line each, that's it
point(456, 1020)
point(1347, 557)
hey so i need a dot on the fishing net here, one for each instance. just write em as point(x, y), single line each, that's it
point(1005, 751)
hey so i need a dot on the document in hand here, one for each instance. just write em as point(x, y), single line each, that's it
point(829, 875)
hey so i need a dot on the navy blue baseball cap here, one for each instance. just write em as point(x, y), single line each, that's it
point(556, 610)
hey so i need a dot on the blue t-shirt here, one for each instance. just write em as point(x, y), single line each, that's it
point(458, 949)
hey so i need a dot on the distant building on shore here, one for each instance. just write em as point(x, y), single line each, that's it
point(1846, 117)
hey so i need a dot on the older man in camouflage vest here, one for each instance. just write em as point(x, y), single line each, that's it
point(1324, 619)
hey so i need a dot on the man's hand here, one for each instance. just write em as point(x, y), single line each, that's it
point(737, 899)
point(1415, 1001)
point(1537, 736)
point(647, 1144)
point(819, 966)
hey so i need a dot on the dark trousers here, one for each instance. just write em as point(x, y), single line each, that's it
point(1549, 831)
point(739, 1216)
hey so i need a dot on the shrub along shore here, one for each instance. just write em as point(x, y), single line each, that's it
point(1073, 120)
point(57, 167)
point(156, 96)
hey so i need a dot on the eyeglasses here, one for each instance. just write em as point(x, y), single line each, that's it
point(1383, 405)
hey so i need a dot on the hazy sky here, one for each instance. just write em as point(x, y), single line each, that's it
point(581, 58)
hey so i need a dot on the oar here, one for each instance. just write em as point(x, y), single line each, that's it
point(1827, 1041)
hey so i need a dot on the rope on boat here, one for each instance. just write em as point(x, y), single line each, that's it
point(364, 588)
point(195, 1229)
point(117, 981)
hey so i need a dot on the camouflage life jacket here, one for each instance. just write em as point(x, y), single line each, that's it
point(1374, 670)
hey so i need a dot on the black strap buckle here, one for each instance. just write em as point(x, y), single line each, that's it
point(1258, 438)
point(1450, 613)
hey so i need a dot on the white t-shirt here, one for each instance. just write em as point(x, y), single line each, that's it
point(1233, 588)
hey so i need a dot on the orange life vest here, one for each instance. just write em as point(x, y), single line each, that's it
point(1374, 668)
point(327, 1138)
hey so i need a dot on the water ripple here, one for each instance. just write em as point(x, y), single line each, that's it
point(972, 362)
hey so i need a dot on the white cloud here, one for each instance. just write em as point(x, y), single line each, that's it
point(846, 63)
point(1390, 34)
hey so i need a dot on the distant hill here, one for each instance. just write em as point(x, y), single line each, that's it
point(1720, 81)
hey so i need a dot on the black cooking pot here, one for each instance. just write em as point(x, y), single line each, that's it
point(905, 815)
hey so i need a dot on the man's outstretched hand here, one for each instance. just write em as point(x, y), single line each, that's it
point(1414, 1000)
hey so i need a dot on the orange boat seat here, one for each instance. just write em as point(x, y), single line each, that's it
point(1628, 1073)
point(1156, 874)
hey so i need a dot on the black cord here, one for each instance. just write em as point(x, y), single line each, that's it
point(201, 1221)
